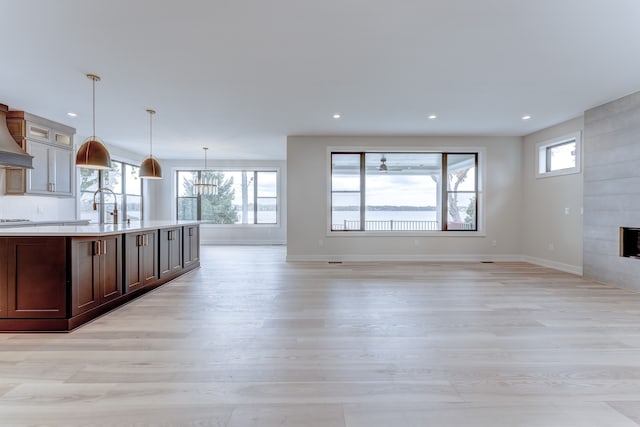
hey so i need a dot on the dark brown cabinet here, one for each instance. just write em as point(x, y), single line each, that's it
point(170, 251)
point(141, 259)
point(96, 272)
point(191, 245)
point(3, 278)
point(33, 277)
point(57, 283)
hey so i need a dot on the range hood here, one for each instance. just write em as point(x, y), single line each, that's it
point(11, 155)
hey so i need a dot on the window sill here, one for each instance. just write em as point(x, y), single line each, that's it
point(559, 172)
point(214, 225)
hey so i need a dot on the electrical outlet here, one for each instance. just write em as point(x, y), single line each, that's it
point(494, 243)
point(552, 247)
point(567, 211)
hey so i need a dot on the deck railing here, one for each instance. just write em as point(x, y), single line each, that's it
point(397, 225)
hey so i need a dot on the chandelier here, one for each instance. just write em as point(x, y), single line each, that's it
point(204, 185)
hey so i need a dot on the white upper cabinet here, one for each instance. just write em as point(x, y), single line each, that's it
point(51, 145)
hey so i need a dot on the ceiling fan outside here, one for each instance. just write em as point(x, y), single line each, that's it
point(384, 168)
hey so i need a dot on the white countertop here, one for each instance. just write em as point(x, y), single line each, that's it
point(89, 230)
point(28, 223)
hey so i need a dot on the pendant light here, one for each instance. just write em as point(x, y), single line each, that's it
point(204, 186)
point(92, 154)
point(150, 168)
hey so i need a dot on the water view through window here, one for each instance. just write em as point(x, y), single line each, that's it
point(403, 191)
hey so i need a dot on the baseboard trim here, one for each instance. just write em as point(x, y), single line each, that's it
point(242, 242)
point(403, 258)
point(567, 268)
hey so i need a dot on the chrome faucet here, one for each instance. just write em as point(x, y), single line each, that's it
point(115, 203)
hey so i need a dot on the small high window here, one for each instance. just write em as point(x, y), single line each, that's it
point(560, 156)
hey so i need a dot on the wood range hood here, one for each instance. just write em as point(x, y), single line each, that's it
point(11, 154)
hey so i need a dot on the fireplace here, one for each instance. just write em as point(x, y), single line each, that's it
point(630, 242)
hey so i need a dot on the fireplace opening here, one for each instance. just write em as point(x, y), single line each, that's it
point(630, 242)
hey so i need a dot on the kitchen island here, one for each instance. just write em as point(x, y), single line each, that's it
point(55, 278)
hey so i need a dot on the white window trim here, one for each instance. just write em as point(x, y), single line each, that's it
point(542, 146)
point(206, 224)
point(482, 165)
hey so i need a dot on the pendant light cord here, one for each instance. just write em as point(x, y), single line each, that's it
point(150, 134)
point(94, 78)
point(94, 107)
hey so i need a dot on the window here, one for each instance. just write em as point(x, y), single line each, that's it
point(243, 197)
point(391, 191)
point(559, 156)
point(125, 183)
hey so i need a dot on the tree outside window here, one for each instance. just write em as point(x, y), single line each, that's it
point(242, 197)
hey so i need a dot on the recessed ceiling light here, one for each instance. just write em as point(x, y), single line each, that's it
point(526, 117)
point(336, 116)
point(433, 117)
point(70, 114)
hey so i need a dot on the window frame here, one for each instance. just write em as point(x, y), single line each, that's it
point(542, 155)
point(252, 172)
point(122, 205)
point(480, 172)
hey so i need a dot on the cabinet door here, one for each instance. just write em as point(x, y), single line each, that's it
point(85, 272)
point(164, 252)
point(61, 171)
point(37, 277)
point(3, 277)
point(15, 181)
point(175, 254)
point(191, 246)
point(149, 255)
point(52, 172)
point(195, 244)
point(38, 177)
point(133, 277)
point(170, 251)
point(110, 284)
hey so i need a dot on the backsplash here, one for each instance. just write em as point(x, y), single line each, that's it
point(35, 208)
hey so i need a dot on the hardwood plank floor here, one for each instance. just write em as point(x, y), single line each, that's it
point(250, 340)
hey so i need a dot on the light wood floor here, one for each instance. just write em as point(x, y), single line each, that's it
point(249, 340)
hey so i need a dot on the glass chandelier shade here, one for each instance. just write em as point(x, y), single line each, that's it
point(150, 168)
point(92, 154)
point(205, 185)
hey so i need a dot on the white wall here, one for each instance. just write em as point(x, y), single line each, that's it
point(552, 237)
point(160, 203)
point(308, 239)
point(35, 208)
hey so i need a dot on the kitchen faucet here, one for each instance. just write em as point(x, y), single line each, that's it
point(115, 202)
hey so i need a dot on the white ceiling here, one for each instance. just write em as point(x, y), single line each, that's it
point(240, 75)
